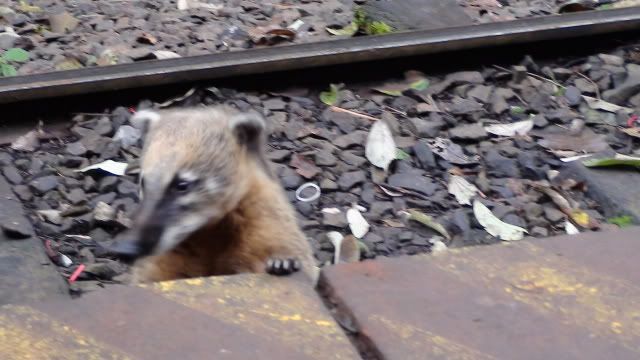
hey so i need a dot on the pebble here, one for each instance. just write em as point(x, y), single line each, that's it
point(76, 149)
point(539, 231)
point(426, 159)
point(23, 192)
point(104, 213)
point(573, 95)
point(42, 185)
point(12, 174)
point(350, 179)
point(76, 196)
point(500, 166)
point(553, 215)
point(107, 184)
point(415, 182)
point(16, 227)
point(427, 128)
point(338, 220)
point(473, 132)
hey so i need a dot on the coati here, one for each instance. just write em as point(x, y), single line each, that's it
point(210, 205)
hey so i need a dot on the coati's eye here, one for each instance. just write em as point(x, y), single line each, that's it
point(182, 185)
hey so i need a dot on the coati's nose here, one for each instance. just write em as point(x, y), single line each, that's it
point(126, 250)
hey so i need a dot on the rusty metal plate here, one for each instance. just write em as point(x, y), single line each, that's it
point(237, 317)
point(560, 298)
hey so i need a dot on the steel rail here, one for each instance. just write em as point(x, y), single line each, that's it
point(336, 52)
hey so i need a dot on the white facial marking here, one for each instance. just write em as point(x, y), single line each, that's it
point(141, 117)
point(212, 185)
point(174, 235)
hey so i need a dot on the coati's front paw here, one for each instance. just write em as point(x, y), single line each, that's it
point(277, 266)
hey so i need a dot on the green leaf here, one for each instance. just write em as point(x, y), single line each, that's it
point(26, 8)
point(559, 91)
point(402, 155)
point(428, 221)
point(331, 97)
point(16, 54)
point(69, 64)
point(378, 28)
point(517, 110)
point(8, 70)
point(420, 85)
point(348, 30)
point(413, 80)
point(612, 162)
point(622, 221)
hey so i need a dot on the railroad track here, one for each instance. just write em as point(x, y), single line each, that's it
point(305, 56)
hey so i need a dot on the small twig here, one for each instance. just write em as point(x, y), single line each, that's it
point(532, 75)
point(354, 113)
point(591, 81)
point(396, 111)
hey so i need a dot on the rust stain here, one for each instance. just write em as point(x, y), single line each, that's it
point(27, 334)
point(557, 287)
point(425, 344)
point(264, 306)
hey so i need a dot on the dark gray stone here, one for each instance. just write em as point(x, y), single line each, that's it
point(12, 174)
point(473, 132)
point(76, 149)
point(426, 159)
point(23, 192)
point(42, 185)
point(107, 184)
point(415, 182)
point(500, 166)
point(553, 215)
point(350, 179)
point(573, 95)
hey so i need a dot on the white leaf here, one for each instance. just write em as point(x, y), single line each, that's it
point(357, 223)
point(598, 104)
point(296, 25)
point(336, 240)
point(462, 189)
point(331, 211)
point(164, 54)
point(380, 149)
point(574, 158)
point(513, 129)
point(437, 246)
point(495, 226)
point(183, 4)
point(110, 166)
point(570, 228)
point(65, 261)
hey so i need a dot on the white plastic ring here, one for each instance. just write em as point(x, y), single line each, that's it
point(303, 187)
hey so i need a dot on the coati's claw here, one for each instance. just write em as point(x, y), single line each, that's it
point(277, 266)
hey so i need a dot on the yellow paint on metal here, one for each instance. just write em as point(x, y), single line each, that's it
point(425, 345)
point(273, 308)
point(556, 287)
point(27, 334)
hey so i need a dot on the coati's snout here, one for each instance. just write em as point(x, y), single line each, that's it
point(191, 170)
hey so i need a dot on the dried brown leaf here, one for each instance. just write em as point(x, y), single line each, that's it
point(305, 167)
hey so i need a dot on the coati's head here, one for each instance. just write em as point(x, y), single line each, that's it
point(195, 168)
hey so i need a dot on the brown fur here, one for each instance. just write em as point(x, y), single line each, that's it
point(256, 220)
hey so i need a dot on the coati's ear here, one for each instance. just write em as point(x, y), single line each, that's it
point(248, 128)
point(143, 120)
